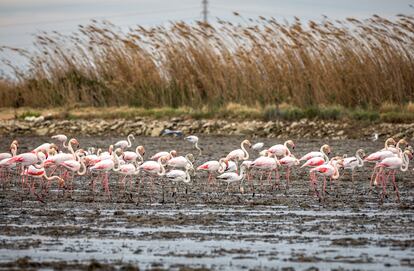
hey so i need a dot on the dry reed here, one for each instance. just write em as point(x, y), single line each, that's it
point(350, 63)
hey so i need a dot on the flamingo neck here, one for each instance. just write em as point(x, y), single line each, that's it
point(325, 157)
point(360, 161)
point(70, 148)
point(246, 154)
point(406, 161)
point(129, 141)
point(162, 168)
point(336, 173)
point(83, 166)
point(197, 147)
point(116, 162)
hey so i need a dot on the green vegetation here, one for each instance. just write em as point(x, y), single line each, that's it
point(285, 112)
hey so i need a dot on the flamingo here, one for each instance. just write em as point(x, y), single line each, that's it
point(315, 159)
point(127, 170)
point(239, 154)
point(212, 167)
point(194, 139)
point(154, 168)
point(393, 164)
point(5, 155)
point(397, 148)
point(389, 143)
point(74, 165)
point(282, 150)
point(267, 163)
point(58, 158)
point(4, 162)
point(181, 161)
point(288, 161)
point(258, 146)
point(351, 163)
point(62, 139)
point(377, 157)
point(45, 147)
point(324, 151)
point(36, 172)
point(177, 175)
point(130, 156)
point(123, 144)
point(232, 177)
point(326, 170)
point(105, 166)
point(168, 155)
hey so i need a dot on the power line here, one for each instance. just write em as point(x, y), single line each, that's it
point(205, 10)
point(99, 17)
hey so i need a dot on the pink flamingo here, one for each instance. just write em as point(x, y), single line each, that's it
point(351, 163)
point(239, 154)
point(105, 166)
point(130, 156)
point(62, 139)
point(377, 157)
point(74, 166)
point(168, 155)
point(267, 163)
point(212, 167)
point(315, 159)
point(181, 161)
point(123, 144)
point(176, 175)
point(393, 164)
point(232, 177)
point(36, 172)
point(154, 168)
point(282, 150)
point(4, 162)
point(288, 162)
point(326, 170)
point(324, 151)
point(127, 170)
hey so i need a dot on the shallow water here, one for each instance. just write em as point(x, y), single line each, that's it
point(226, 231)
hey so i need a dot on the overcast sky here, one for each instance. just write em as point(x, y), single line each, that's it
point(19, 19)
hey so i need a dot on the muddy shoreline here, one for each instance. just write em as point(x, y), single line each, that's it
point(272, 230)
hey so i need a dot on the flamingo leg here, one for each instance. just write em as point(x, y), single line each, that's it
point(395, 186)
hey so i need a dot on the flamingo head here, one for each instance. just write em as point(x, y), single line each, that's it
point(326, 149)
point(141, 150)
point(390, 141)
point(190, 157)
point(247, 142)
point(173, 153)
point(54, 147)
point(402, 141)
point(291, 143)
point(163, 160)
point(74, 142)
point(361, 153)
point(119, 151)
point(111, 148)
point(15, 142)
point(13, 147)
point(61, 183)
point(52, 151)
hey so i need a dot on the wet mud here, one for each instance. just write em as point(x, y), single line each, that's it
point(208, 228)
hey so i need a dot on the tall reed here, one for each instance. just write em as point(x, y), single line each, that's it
point(352, 63)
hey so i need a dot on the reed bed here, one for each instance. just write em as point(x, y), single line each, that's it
point(350, 63)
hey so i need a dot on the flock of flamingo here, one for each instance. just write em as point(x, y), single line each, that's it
point(62, 161)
